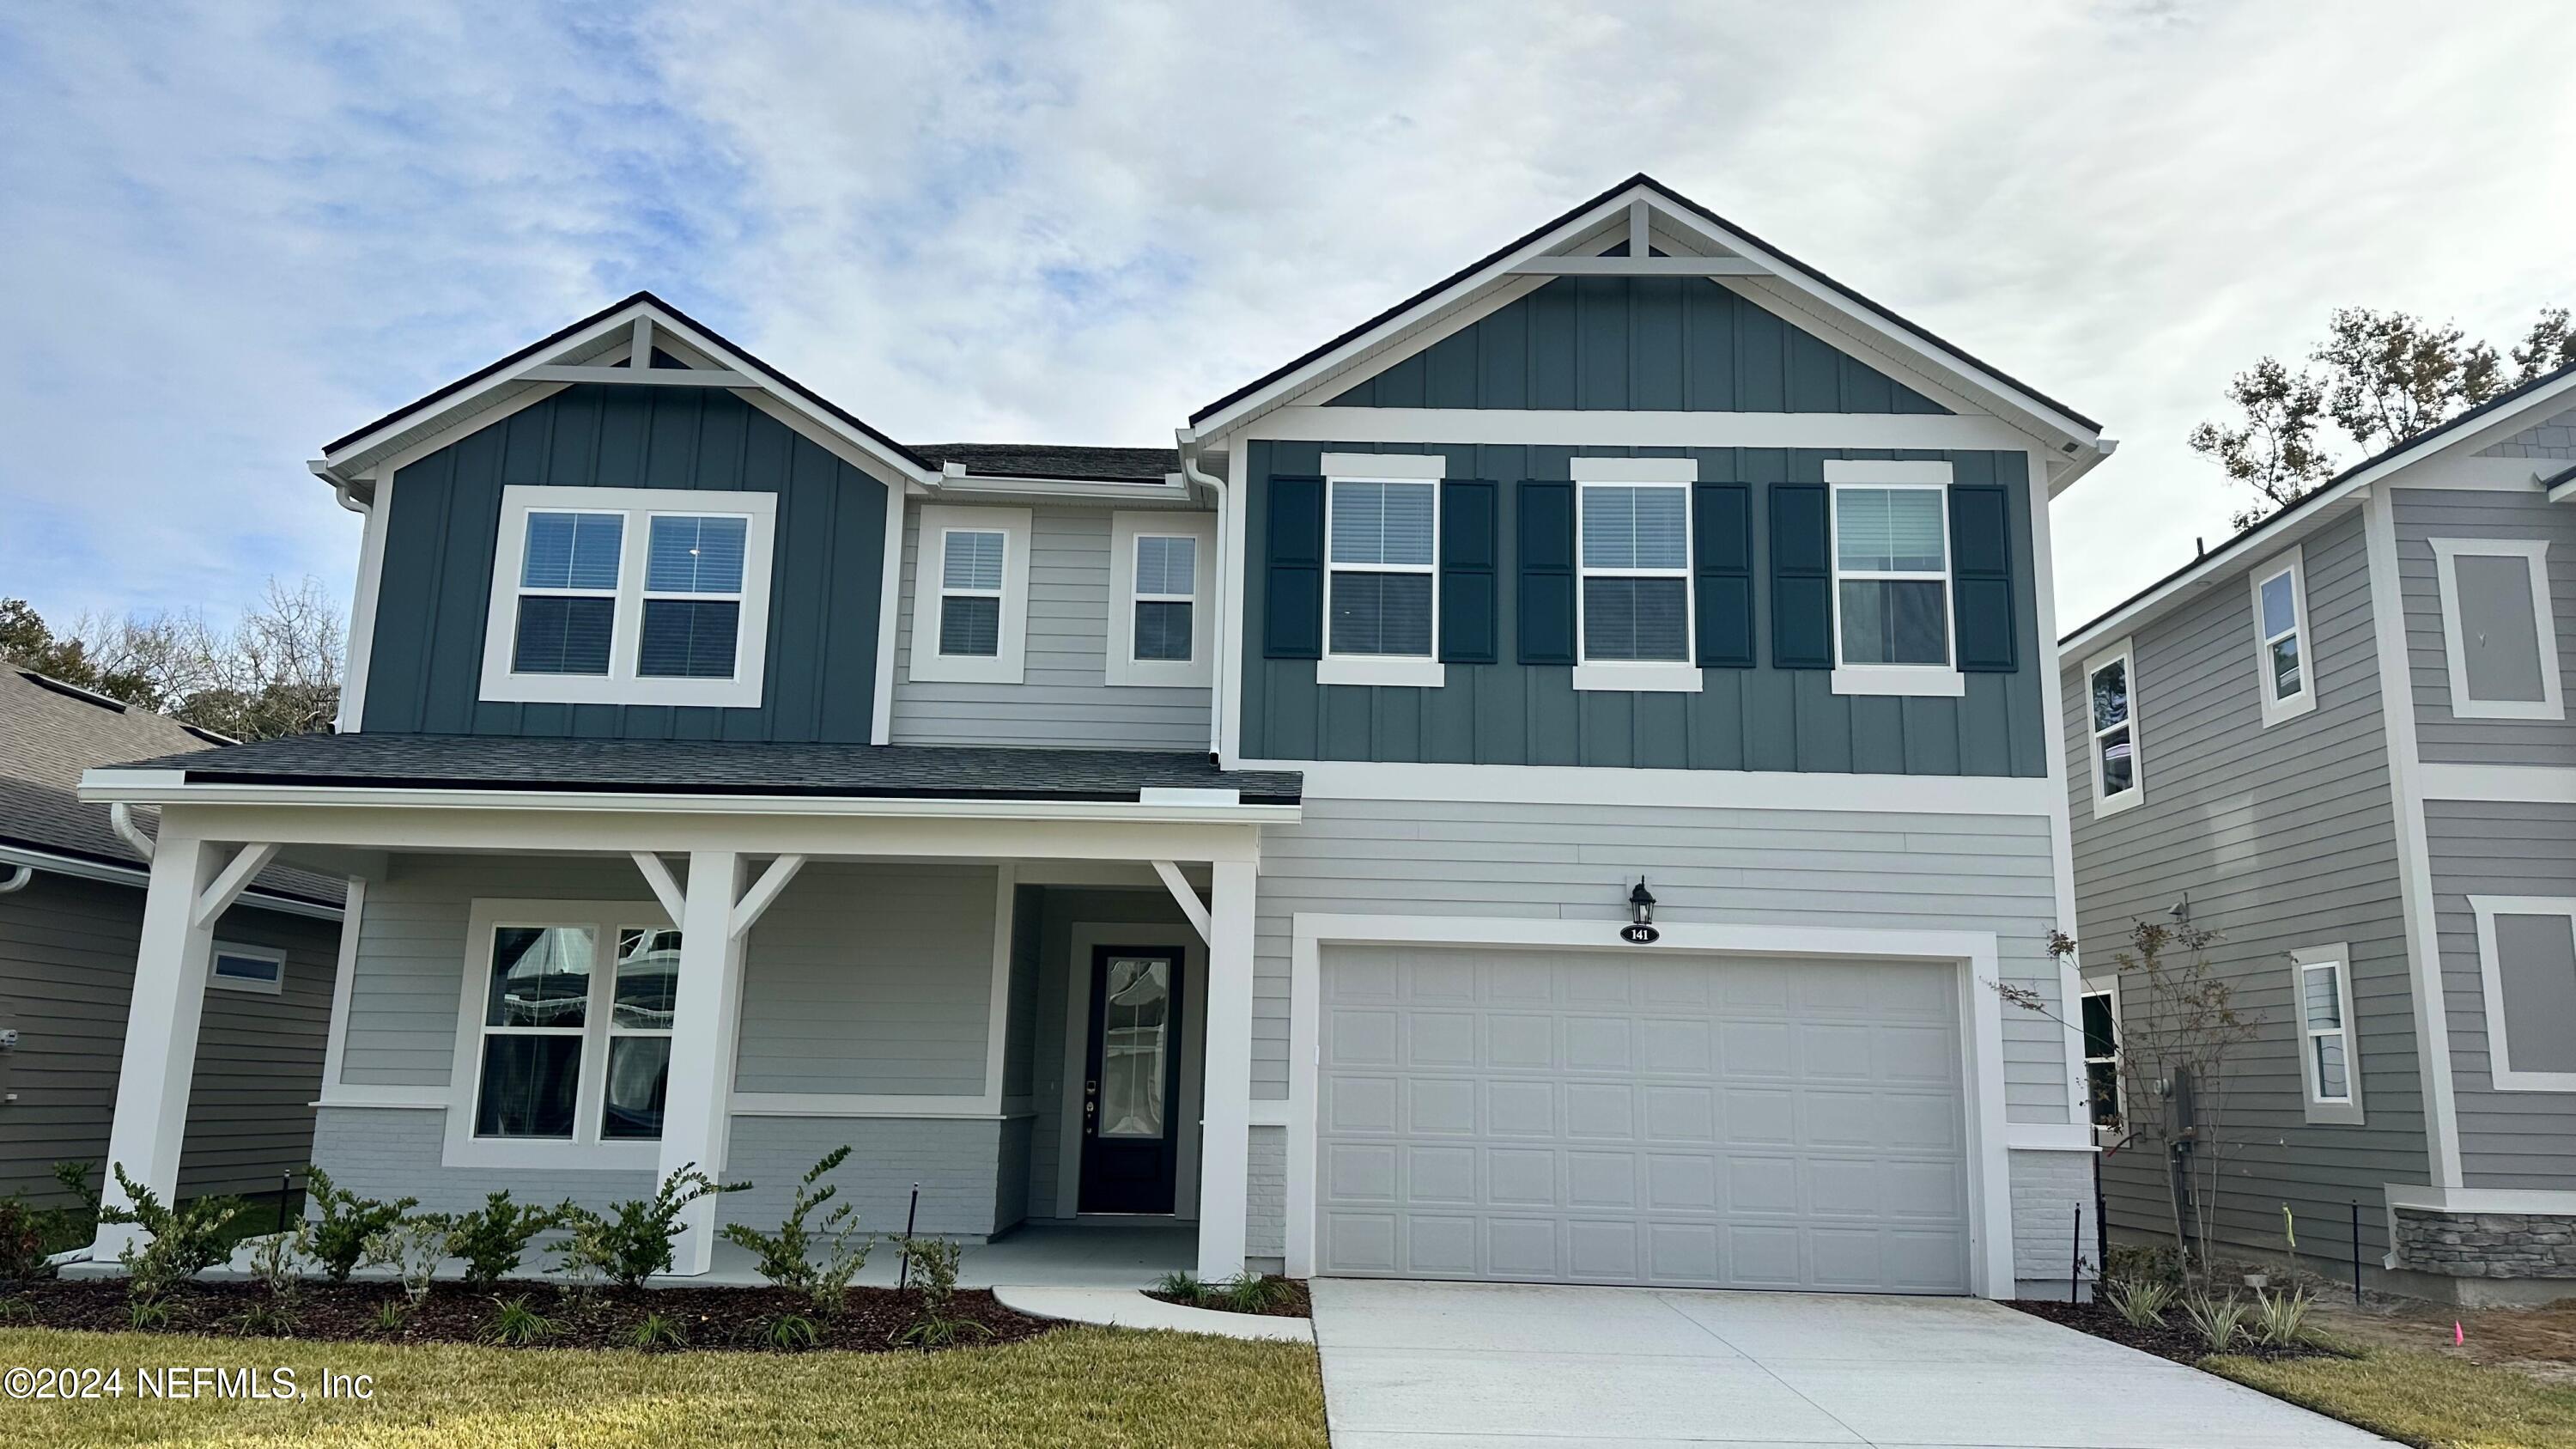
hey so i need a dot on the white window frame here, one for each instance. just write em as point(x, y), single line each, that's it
point(2500, 1068)
point(2535, 556)
point(2124, 654)
point(622, 684)
point(1126, 531)
point(2104, 986)
point(1681, 676)
point(1008, 664)
point(1847, 475)
point(1404, 670)
point(270, 954)
point(585, 1148)
point(2276, 709)
point(2338, 1111)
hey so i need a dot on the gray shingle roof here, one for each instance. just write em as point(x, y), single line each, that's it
point(404, 761)
point(48, 737)
point(1054, 460)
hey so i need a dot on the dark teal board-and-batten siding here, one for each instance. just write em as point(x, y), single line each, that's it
point(1636, 344)
point(1759, 718)
point(425, 671)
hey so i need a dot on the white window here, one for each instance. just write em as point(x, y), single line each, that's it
point(1161, 566)
point(2101, 1026)
point(2498, 630)
point(2329, 1067)
point(1893, 633)
point(2111, 695)
point(970, 614)
point(247, 968)
point(563, 1047)
point(2287, 684)
point(2527, 957)
point(1633, 612)
point(1381, 554)
point(629, 596)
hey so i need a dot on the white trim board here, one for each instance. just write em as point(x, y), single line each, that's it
point(1708, 789)
point(2524, 784)
point(1930, 432)
point(344, 986)
point(1990, 1267)
point(2060, 810)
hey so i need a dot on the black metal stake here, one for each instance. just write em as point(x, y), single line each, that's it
point(281, 1202)
point(2075, 1260)
point(910, 1216)
point(2356, 1252)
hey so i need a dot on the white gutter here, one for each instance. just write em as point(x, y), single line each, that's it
point(341, 488)
point(77, 868)
point(18, 881)
point(1186, 441)
point(120, 818)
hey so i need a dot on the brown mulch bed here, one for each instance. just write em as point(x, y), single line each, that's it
point(2175, 1340)
point(1294, 1304)
point(708, 1318)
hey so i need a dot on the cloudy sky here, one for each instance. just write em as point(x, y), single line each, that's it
point(230, 233)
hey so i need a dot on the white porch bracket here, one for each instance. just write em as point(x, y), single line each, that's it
point(1186, 896)
point(665, 889)
point(227, 887)
point(764, 891)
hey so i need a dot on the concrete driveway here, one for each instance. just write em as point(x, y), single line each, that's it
point(1457, 1366)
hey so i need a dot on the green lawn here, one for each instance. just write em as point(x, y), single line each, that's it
point(2424, 1399)
point(1088, 1386)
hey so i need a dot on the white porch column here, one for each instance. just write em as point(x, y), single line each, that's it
point(697, 1105)
point(170, 965)
point(1226, 1107)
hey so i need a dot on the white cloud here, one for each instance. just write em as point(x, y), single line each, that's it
point(249, 232)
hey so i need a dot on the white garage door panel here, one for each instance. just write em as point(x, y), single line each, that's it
point(1631, 1118)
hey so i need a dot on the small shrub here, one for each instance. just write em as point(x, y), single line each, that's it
point(517, 1325)
point(275, 1318)
point(790, 1331)
point(185, 1240)
point(787, 1256)
point(2140, 1302)
point(2219, 1322)
point(278, 1262)
point(493, 1238)
point(632, 1242)
point(413, 1248)
point(392, 1314)
point(14, 1310)
point(935, 1323)
point(1252, 1293)
point(145, 1314)
point(1183, 1286)
point(346, 1221)
point(22, 1241)
point(656, 1331)
point(2142, 1263)
point(2280, 1320)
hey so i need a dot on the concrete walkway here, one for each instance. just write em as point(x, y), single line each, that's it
point(1460, 1366)
point(1129, 1308)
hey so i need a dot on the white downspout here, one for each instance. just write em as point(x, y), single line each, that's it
point(18, 881)
point(1188, 442)
point(120, 817)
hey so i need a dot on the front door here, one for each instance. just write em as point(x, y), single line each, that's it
point(1131, 1085)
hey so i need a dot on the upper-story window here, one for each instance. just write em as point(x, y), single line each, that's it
point(971, 595)
point(629, 596)
point(1893, 633)
point(2101, 1023)
point(2499, 634)
point(2119, 768)
point(2329, 1070)
point(1160, 567)
point(1381, 532)
point(1633, 615)
point(2288, 687)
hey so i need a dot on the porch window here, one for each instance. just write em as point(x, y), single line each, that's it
point(566, 1050)
point(1891, 570)
point(2287, 678)
point(629, 596)
point(639, 1033)
point(535, 1015)
point(971, 592)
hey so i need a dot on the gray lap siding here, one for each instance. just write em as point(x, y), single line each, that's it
point(2508, 1139)
point(2424, 514)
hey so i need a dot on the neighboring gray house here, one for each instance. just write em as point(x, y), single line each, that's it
point(2341, 737)
point(1541, 787)
point(71, 909)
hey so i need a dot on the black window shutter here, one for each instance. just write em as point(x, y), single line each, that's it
point(1981, 576)
point(1467, 561)
point(1547, 572)
point(1802, 603)
point(1722, 554)
point(1292, 611)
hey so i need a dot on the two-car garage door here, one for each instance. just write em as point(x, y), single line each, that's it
point(1641, 1117)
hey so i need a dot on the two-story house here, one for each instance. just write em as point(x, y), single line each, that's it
point(1545, 786)
point(2339, 741)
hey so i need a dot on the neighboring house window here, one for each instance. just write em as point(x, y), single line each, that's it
point(1381, 528)
point(971, 595)
point(564, 1042)
point(1633, 610)
point(1891, 557)
point(2329, 1067)
point(2499, 632)
point(248, 968)
point(2119, 769)
point(1160, 568)
point(629, 596)
point(2101, 1019)
point(2527, 959)
point(2288, 678)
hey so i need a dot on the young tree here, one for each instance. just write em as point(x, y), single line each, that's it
point(2390, 375)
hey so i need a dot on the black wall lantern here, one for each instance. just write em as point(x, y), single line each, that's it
point(1640, 930)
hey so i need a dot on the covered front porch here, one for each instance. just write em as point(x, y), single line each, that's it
point(1027, 1010)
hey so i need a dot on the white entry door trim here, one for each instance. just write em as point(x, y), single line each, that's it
point(1981, 1036)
